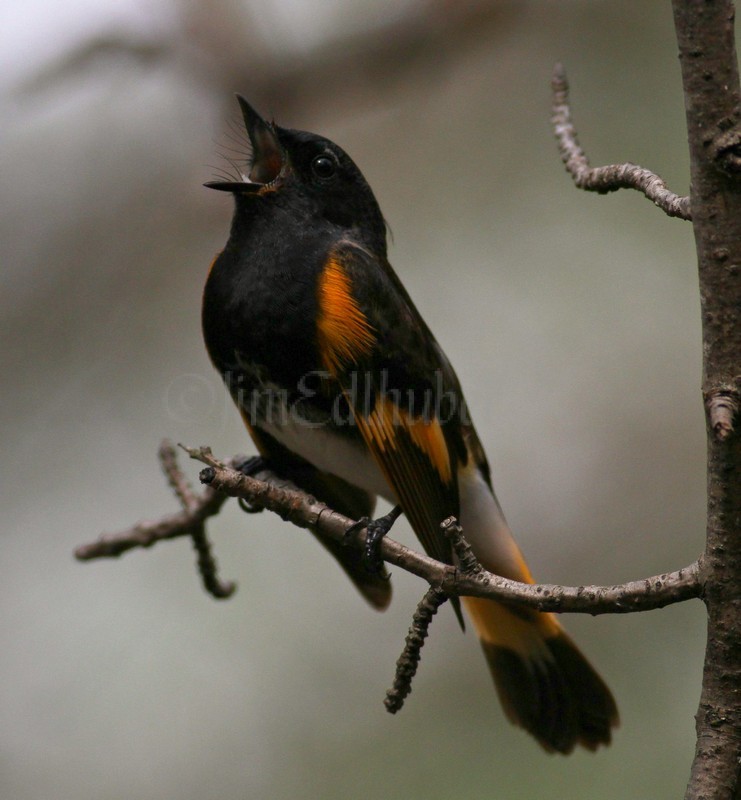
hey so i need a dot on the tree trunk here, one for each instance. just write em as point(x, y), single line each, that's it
point(705, 34)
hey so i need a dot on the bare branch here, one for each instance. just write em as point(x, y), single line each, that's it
point(207, 567)
point(267, 490)
point(146, 534)
point(406, 666)
point(647, 594)
point(189, 522)
point(303, 510)
point(175, 476)
point(608, 178)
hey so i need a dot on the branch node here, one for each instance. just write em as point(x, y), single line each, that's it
point(726, 151)
point(206, 475)
point(468, 564)
point(406, 666)
point(203, 454)
point(722, 405)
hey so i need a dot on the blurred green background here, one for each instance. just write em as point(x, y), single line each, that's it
point(572, 320)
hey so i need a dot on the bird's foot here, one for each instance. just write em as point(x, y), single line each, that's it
point(376, 529)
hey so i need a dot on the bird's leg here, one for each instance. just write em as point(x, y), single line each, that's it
point(376, 529)
point(251, 465)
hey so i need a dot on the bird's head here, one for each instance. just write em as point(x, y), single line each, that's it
point(313, 171)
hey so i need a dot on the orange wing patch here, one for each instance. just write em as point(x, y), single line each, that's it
point(427, 435)
point(343, 331)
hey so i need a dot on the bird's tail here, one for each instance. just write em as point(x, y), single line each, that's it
point(543, 681)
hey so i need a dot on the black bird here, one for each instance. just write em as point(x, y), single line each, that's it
point(345, 390)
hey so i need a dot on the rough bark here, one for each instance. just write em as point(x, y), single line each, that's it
point(705, 34)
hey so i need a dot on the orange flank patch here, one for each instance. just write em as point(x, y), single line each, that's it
point(387, 419)
point(343, 331)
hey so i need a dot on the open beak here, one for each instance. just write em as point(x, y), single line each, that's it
point(268, 157)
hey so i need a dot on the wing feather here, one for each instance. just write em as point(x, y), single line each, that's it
point(386, 348)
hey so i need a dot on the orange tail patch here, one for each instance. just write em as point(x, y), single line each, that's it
point(544, 683)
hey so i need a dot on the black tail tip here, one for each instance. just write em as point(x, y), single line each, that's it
point(558, 698)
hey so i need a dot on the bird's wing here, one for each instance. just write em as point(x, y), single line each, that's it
point(405, 398)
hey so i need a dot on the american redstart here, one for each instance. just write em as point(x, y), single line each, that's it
point(345, 391)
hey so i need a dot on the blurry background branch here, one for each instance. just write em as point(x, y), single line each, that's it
point(419, 38)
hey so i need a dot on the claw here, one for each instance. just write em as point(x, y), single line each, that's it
point(247, 507)
point(356, 527)
point(376, 529)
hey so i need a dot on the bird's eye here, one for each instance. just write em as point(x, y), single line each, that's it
point(324, 167)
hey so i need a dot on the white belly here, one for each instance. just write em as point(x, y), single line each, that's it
point(484, 525)
point(336, 454)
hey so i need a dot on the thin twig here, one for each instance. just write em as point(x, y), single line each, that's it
point(189, 522)
point(406, 666)
point(303, 510)
point(608, 178)
point(146, 534)
point(175, 476)
point(207, 566)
